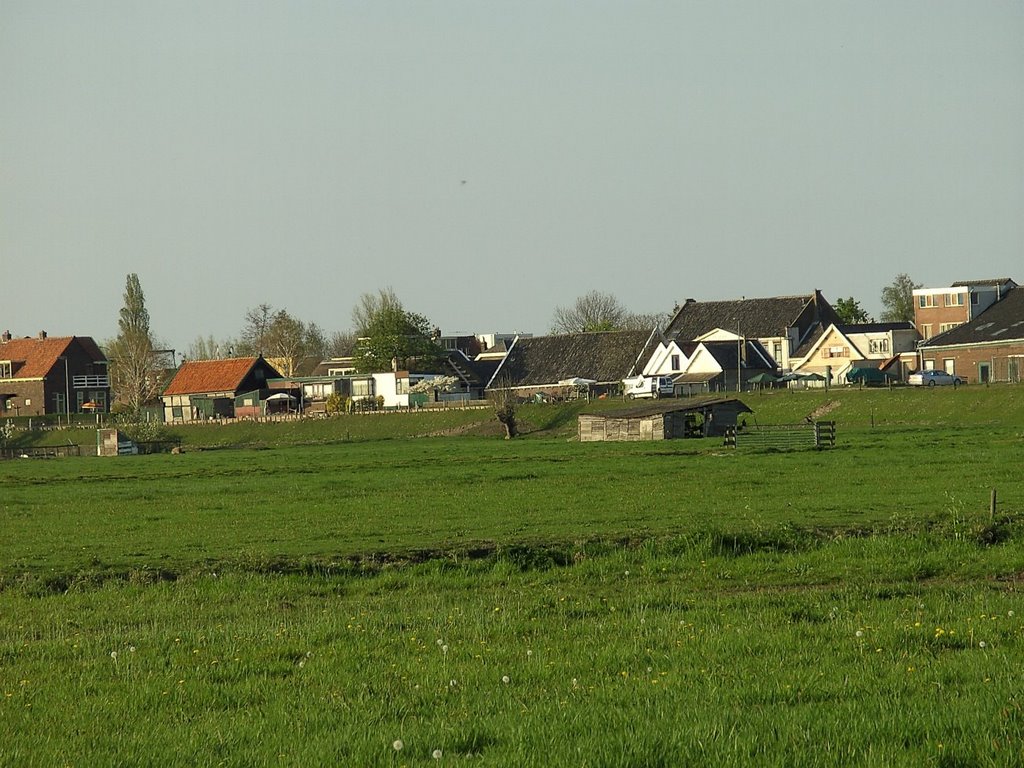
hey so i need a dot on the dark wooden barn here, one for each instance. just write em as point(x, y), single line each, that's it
point(707, 417)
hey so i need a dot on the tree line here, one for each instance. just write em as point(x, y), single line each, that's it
point(384, 335)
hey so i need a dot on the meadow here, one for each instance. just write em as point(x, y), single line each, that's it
point(388, 591)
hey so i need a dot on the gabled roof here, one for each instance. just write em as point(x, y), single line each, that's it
point(1002, 322)
point(199, 376)
point(602, 357)
point(39, 356)
point(755, 356)
point(759, 317)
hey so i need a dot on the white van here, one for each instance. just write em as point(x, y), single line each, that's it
point(648, 386)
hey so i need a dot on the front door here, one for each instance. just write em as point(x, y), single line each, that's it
point(983, 373)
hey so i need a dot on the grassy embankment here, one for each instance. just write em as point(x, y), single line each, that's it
point(539, 602)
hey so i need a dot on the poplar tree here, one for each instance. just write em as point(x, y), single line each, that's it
point(133, 364)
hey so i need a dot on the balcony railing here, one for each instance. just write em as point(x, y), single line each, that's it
point(86, 382)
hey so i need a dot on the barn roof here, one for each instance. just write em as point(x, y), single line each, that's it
point(199, 376)
point(603, 357)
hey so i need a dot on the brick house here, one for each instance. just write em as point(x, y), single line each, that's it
point(59, 374)
point(937, 310)
point(989, 348)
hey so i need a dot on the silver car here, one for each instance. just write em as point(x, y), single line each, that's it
point(933, 378)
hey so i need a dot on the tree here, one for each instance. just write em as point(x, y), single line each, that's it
point(395, 338)
point(340, 344)
point(851, 312)
point(371, 305)
point(134, 370)
point(898, 299)
point(254, 333)
point(503, 400)
point(594, 311)
point(280, 337)
point(208, 348)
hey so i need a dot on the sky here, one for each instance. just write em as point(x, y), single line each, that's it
point(491, 161)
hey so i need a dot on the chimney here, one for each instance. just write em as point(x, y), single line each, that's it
point(6, 336)
point(42, 335)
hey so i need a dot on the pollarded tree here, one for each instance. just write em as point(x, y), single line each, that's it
point(134, 367)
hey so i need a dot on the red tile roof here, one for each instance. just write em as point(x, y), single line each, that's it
point(38, 356)
point(199, 376)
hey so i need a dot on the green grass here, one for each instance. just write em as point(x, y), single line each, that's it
point(650, 604)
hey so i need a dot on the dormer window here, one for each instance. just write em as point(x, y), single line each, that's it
point(6, 369)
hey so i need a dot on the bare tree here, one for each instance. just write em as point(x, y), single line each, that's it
point(208, 348)
point(594, 311)
point(503, 400)
point(341, 344)
point(370, 306)
point(254, 332)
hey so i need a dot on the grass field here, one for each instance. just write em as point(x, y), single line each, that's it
point(334, 592)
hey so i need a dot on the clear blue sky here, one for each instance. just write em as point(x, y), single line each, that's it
point(490, 161)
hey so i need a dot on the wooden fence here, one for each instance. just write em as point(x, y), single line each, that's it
point(819, 434)
point(41, 452)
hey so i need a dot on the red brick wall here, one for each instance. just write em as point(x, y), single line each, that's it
point(966, 360)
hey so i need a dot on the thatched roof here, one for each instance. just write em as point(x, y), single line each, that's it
point(605, 358)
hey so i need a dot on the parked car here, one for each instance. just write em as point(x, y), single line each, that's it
point(933, 378)
point(648, 386)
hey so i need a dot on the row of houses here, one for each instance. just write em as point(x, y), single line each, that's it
point(707, 346)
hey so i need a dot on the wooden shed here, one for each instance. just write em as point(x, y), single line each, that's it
point(708, 417)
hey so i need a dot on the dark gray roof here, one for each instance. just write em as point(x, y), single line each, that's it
point(604, 357)
point(755, 356)
point(981, 283)
point(759, 317)
point(1003, 321)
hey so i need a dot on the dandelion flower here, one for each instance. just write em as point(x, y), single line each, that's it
point(452, 683)
point(1009, 613)
point(444, 649)
point(436, 754)
point(440, 642)
point(981, 644)
point(397, 745)
point(505, 679)
point(859, 633)
point(131, 649)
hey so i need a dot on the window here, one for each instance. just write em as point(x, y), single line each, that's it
point(949, 365)
point(778, 351)
point(879, 345)
point(402, 386)
point(975, 298)
point(5, 369)
point(943, 327)
point(362, 387)
point(59, 402)
point(28, 401)
point(954, 300)
point(176, 412)
point(675, 362)
point(925, 301)
point(926, 331)
point(836, 352)
point(260, 374)
point(929, 365)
